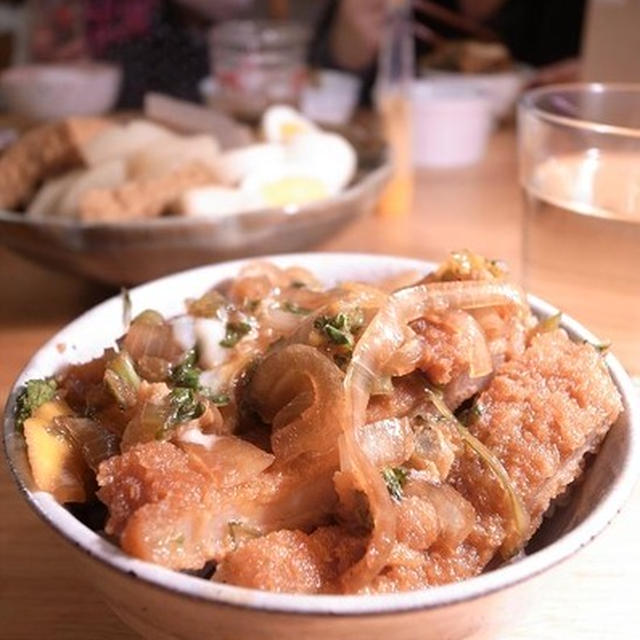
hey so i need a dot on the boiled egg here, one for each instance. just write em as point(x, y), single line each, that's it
point(286, 185)
point(281, 123)
point(215, 202)
point(329, 155)
point(233, 166)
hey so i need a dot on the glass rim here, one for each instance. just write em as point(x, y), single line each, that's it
point(262, 33)
point(528, 102)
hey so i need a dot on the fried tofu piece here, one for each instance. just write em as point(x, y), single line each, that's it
point(142, 198)
point(41, 153)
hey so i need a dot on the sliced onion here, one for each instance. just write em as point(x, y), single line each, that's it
point(94, 442)
point(456, 516)
point(227, 460)
point(521, 520)
point(151, 339)
point(479, 357)
point(299, 392)
point(150, 415)
point(387, 443)
point(384, 335)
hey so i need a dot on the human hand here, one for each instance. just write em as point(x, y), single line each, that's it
point(356, 33)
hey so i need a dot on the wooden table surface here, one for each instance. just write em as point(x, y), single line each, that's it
point(592, 596)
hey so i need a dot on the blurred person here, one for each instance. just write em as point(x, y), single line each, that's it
point(160, 45)
point(542, 33)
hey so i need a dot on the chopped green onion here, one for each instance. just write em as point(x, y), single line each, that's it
point(121, 379)
point(234, 333)
point(187, 374)
point(207, 305)
point(218, 399)
point(292, 307)
point(34, 394)
point(184, 406)
point(340, 328)
point(395, 478)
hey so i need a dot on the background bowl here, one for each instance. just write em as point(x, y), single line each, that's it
point(162, 604)
point(502, 87)
point(137, 251)
point(55, 91)
point(452, 123)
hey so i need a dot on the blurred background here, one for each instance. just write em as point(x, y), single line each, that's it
point(143, 137)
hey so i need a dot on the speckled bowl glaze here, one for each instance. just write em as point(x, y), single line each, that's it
point(126, 253)
point(162, 604)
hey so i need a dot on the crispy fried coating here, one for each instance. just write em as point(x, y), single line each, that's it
point(41, 153)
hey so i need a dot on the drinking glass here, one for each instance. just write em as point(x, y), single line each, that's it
point(257, 63)
point(579, 158)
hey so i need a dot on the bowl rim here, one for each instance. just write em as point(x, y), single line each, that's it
point(528, 105)
point(45, 70)
point(194, 588)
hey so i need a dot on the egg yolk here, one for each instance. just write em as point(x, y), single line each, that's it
point(293, 190)
point(289, 130)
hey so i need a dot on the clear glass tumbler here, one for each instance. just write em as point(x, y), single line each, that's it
point(257, 63)
point(579, 155)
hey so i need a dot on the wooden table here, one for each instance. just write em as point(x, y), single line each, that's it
point(41, 596)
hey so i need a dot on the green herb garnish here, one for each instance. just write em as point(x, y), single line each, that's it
point(121, 379)
point(395, 479)
point(219, 399)
point(187, 373)
point(207, 305)
point(235, 331)
point(340, 329)
point(34, 394)
point(184, 406)
point(293, 307)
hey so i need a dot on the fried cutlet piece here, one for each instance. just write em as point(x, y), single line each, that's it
point(292, 561)
point(142, 198)
point(540, 415)
point(166, 509)
point(41, 153)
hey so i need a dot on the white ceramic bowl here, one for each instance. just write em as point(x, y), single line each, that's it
point(162, 604)
point(502, 87)
point(331, 97)
point(54, 91)
point(451, 124)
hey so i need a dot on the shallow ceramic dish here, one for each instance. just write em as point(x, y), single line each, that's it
point(138, 251)
point(162, 604)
